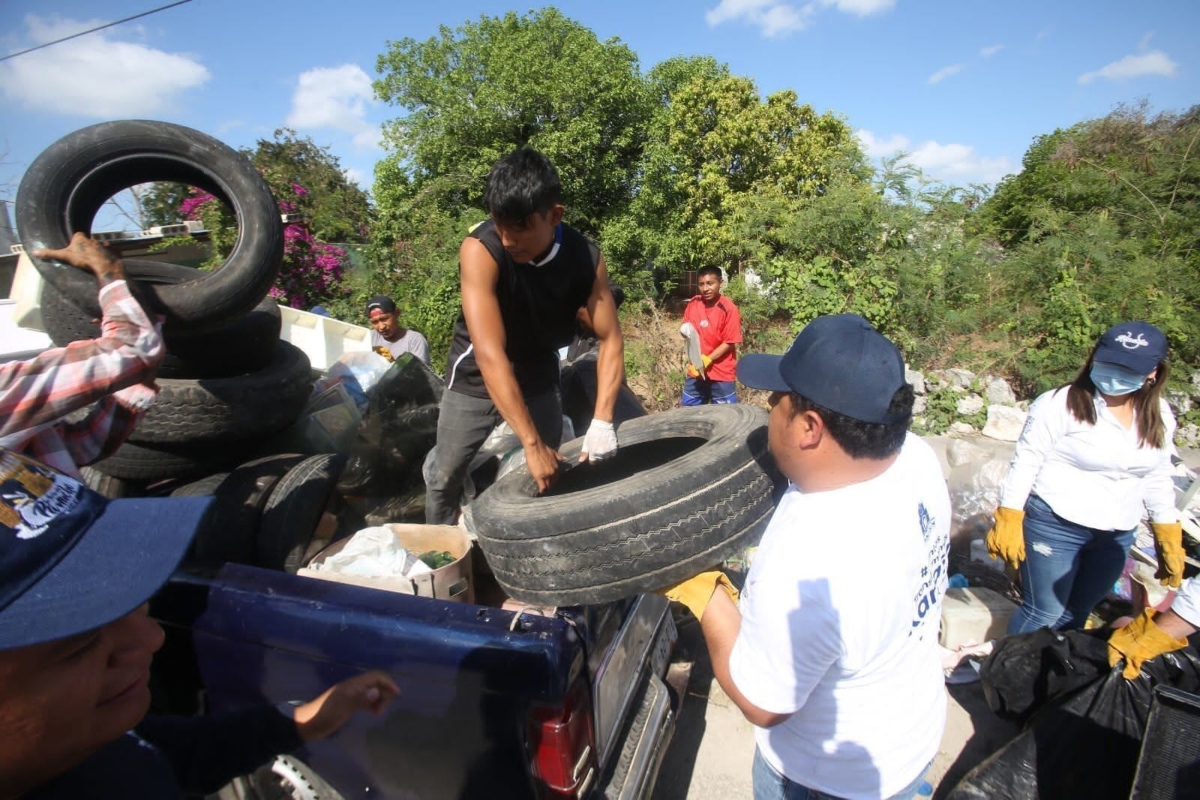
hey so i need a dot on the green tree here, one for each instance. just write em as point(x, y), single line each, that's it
point(336, 209)
point(1102, 224)
point(715, 149)
point(161, 201)
point(476, 93)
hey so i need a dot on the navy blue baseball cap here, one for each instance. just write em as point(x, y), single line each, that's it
point(1138, 346)
point(839, 362)
point(72, 560)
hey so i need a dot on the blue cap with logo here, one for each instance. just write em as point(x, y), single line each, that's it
point(839, 362)
point(1138, 346)
point(72, 560)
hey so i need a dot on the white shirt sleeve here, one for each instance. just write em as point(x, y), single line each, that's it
point(1159, 483)
point(784, 648)
point(1047, 421)
point(1187, 602)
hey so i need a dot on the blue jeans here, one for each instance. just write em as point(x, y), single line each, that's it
point(700, 391)
point(1067, 570)
point(770, 785)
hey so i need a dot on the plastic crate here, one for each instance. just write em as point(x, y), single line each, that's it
point(1169, 764)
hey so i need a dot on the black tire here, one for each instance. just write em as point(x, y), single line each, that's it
point(107, 485)
point(150, 463)
point(205, 487)
point(245, 344)
point(231, 527)
point(213, 410)
point(290, 516)
point(687, 489)
point(68, 183)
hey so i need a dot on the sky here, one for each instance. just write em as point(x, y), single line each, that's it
point(963, 87)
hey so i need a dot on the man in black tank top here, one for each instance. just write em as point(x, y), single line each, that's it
point(526, 277)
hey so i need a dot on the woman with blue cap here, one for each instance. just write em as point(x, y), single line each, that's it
point(1093, 460)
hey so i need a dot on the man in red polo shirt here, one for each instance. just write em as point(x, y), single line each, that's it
point(719, 325)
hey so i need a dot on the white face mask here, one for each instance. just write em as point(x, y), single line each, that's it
point(1115, 381)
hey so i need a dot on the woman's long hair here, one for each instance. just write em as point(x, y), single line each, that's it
point(1081, 401)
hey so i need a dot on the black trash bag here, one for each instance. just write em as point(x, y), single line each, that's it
point(398, 430)
point(1085, 721)
point(1027, 670)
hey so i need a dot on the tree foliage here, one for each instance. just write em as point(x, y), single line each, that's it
point(1101, 225)
point(336, 208)
point(715, 148)
point(476, 93)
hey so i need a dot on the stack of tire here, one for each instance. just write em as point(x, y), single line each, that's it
point(227, 384)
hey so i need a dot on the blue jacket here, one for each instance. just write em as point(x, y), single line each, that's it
point(165, 758)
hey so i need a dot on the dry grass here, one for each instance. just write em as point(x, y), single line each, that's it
point(655, 358)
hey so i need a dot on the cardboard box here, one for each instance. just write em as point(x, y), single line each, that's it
point(451, 582)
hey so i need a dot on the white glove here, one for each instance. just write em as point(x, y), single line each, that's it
point(600, 441)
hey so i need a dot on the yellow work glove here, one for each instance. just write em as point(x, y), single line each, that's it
point(1006, 539)
point(1168, 545)
point(1138, 642)
point(695, 593)
point(692, 372)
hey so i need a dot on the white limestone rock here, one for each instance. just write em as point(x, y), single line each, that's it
point(998, 391)
point(971, 404)
point(1004, 423)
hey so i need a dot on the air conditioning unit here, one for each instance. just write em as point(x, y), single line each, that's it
point(17, 248)
point(289, 218)
point(110, 236)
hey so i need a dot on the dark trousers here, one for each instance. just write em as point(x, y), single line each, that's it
point(464, 423)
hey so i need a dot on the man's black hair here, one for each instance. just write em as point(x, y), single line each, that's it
point(864, 439)
point(618, 295)
point(521, 184)
point(700, 273)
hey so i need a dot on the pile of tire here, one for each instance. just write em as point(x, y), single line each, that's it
point(227, 383)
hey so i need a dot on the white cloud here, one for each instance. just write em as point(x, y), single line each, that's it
point(860, 8)
point(1156, 62)
point(357, 176)
point(777, 18)
point(338, 98)
point(946, 72)
point(952, 163)
point(95, 75)
point(774, 18)
point(990, 50)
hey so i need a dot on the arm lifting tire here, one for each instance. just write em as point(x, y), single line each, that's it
point(243, 344)
point(68, 183)
point(687, 489)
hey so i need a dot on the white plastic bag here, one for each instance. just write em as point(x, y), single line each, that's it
point(375, 553)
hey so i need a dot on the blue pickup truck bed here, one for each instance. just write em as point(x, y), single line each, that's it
point(493, 703)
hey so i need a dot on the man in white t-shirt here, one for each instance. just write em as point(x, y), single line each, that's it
point(388, 338)
point(832, 651)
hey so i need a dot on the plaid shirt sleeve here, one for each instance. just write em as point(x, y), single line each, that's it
point(115, 372)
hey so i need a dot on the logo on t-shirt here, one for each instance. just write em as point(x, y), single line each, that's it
point(703, 323)
point(933, 573)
